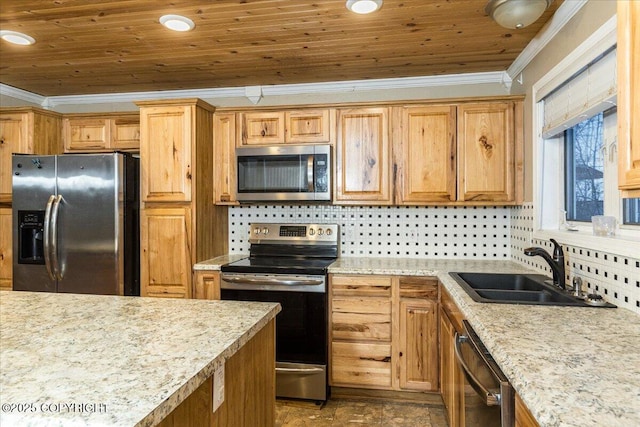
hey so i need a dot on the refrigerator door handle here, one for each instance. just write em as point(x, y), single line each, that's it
point(54, 238)
point(47, 236)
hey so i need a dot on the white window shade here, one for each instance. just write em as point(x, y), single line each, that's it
point(589, 92)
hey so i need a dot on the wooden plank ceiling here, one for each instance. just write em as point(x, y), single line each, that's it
point(111, 46)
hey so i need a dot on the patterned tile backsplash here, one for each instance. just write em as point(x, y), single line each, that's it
point(615, 277)
point(395, 231)
point(447, 232)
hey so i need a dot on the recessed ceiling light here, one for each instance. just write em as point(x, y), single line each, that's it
point(16, 37)
point(364, 6)
point(177, 22)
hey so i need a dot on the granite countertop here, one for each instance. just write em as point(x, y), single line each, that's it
point(79, 360)
point(572, 366)
point(214, 264)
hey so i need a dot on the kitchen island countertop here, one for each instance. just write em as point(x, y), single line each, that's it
point(77, 360)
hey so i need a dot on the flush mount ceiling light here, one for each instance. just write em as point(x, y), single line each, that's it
point(16, 37)
point(364, 6)
point(177, 22)
point(516, 14)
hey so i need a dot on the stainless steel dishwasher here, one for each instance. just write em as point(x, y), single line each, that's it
point(492, 402)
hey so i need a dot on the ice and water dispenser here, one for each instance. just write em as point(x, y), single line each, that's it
point(31, 237)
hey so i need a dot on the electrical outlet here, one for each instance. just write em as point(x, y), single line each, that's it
point(349, 233)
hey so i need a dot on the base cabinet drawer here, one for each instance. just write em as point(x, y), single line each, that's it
point(361, 364)
point(361, 319)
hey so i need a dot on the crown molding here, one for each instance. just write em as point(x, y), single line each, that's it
point(496, 77)
point(560, 18)
point(23, 95)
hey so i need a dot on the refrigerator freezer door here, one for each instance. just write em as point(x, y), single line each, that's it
point(89, 222)
point(33, 184)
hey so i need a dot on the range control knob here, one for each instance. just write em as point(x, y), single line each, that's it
point(329, 232)
point(256, 230)
point(320, 231)
point(312, 232)
point(265, 230)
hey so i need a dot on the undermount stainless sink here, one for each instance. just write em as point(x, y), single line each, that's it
point(516, 289)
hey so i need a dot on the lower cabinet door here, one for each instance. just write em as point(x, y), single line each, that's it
point(361, 364)
point(165, 257)
point(418, 346)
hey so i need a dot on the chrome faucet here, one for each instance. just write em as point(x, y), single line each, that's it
point(556, 263)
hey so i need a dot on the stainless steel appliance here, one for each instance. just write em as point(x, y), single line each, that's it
point(76, 223)
point(288, 264)
point(284, 173)
point(491, 402)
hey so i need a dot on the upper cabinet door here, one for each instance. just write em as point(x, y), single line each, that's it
point(309, 126)
point(425, 149)
point(86, 134)
point(13, 139)
point(628, 52)
point(486, 167)
point(224, 166)
point(125, 133)
point(165, 153)
point(262, 128)
point(363, 157)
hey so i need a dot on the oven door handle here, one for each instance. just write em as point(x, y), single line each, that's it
point(490, 398)
point(300, 370)
point(260, 281)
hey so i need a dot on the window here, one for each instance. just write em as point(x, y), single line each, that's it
point(575, 156)
point(584, 169)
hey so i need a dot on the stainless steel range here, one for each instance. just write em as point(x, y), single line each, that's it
point(288, 264)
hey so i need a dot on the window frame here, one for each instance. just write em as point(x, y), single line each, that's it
point(548, 160)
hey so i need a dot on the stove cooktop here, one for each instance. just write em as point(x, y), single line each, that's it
point(279, 265)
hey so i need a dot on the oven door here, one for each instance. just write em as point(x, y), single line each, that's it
point(301, 327)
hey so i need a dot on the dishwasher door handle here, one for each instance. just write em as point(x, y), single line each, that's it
point(490, 398)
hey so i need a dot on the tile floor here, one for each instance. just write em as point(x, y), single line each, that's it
point(369, 413)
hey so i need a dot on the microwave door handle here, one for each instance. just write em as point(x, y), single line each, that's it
point(47, 236)
point(490, 398)
point(310, 162)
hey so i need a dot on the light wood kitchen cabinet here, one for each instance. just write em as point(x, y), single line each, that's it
point(363, 157)
point(628, 51)
point(167, 136)
point(165, 258)
point(384, 332)
point(224, 166)
point(206, 284)
point(360, 329)
point(524, 418)
point(26, 130)
point(101, 132)
point(180, 226)
point(487, 160)
point(452, 380)
point(418, 333)
point(262, 128)
point(6, 249)
point(424, 145)
point(303, 126)
point(310, 126)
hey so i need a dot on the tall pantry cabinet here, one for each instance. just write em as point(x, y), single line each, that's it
point(179, 224)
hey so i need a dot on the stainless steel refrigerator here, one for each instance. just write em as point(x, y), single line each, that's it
point(76, 223)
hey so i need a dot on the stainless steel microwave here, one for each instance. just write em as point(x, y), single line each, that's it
point(284, 173)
